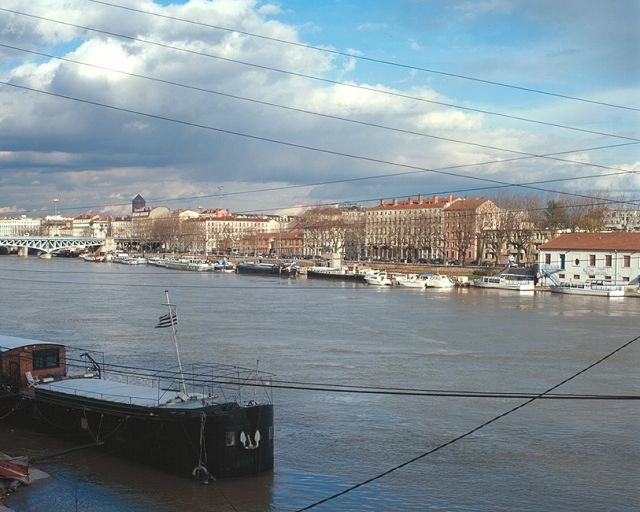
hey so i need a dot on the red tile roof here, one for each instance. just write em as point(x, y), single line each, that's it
point(470, 203)
point(617, 241)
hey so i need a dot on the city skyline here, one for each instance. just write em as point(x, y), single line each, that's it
point(181, 127)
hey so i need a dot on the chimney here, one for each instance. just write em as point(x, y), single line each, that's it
point(420, 198)
point(395, 201)
point(436, 199)
point(450, 198)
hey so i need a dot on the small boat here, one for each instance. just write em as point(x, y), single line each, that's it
point(93, 257)
point(505, 281)
point(378, 278)
point(251, 267)
point(120, 257)
point(597, 288)
point(224, 266)
point(135, 260)
point(157, 261)
point(413, 280)
point(439, 281)
point(195, 423)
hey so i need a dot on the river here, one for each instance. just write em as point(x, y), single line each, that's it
point(560, 455)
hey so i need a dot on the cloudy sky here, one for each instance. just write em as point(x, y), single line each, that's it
point(234, 103)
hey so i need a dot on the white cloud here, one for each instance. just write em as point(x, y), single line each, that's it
point(270, 9)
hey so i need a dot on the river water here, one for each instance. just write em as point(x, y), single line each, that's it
point(552, 455)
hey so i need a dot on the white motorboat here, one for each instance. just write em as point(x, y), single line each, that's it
point(439, 281)
point(378, 278)
point(413, 280)
point(516, 282)
point(598, 288)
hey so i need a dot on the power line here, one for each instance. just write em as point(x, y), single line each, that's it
point(310, 77)
point(351, 389)
point(325, 151)
point(405, 173)
point(274, 105)
point(469, 432)
point(368, 59)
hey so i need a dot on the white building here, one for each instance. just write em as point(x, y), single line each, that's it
point(89, 225)
point(579, 257)
point(19, 226)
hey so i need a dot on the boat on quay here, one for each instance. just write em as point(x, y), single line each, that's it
point(251, 267)
point(599, 288)
point(196, 422)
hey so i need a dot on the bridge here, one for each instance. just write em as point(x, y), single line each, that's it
point(49, 244)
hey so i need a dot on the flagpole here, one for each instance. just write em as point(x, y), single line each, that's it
point(175, 342)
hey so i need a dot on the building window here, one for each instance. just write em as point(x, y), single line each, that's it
point(626, 261)
point(607, 278)
point(561, 276)
point(547, 259)
point(592, 276)
point(607, 260)
point(625, 279)
point(230, 438)
point(592, 260)
point(48, 358)
point(576, 277)
point(577, 262)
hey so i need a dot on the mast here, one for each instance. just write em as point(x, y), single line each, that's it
point(173, 317)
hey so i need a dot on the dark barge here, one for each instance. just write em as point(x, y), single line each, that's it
point(194, 422)
point(250, 267)
point(335, 274)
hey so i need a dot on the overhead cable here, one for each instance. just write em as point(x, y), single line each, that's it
point(469, 432)
point(310, 77)
point(368, 59)
point(415, 168)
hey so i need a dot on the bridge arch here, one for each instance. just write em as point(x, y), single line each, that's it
point(50, 244)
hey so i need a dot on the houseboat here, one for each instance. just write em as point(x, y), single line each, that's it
point(197, 423)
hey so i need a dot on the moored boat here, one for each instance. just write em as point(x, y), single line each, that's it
point(597, 288)
point(251, 267)
point(93, 257)
point(190, 264)
point(439, 281)
point(378, 278)
point(413, 280)
point(192, 423)
point(335, 273)
point(516, 282)
point(224, 266)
